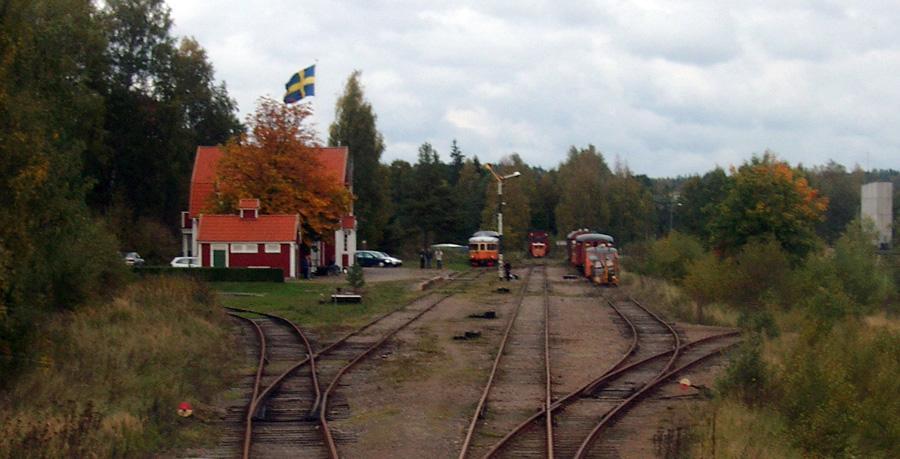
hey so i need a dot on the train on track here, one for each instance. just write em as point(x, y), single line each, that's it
point(484, 248)
point(594, 255)
point(538, 244)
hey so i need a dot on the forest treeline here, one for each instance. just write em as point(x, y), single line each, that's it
point(102, 108)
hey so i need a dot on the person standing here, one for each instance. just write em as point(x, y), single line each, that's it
point(428, 256)
point(439, 258)
point(422, 259)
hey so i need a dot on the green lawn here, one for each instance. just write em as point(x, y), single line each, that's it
point(300, 301)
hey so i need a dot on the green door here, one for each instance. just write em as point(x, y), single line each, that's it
point(218, 258)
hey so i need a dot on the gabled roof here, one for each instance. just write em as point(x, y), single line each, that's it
point(334, 162)
point(333, 159)
point(248, 203)
point(232, 228)
point(203, 178)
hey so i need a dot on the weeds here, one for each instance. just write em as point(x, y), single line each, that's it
point(115, 373)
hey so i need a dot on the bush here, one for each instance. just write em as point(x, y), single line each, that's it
point(747, 376)
point(355, 276)
point(123, 366)
point(216, 274)
point(839, 391)
point(667, 258)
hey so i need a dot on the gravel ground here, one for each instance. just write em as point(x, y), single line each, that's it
point(416, 396)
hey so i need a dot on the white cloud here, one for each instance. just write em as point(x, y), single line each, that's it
point(671, 87)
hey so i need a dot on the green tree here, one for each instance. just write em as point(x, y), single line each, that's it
point(400, 183)
point(698, 200)
point(354, 127)
point(429, 209)
point(583, 180)
point(767, 197)
point(469, 195)
point(53, 254)
point(457, 160)
point(842, 188)
point(161, 101)
point(516, 207)
point(631, 207)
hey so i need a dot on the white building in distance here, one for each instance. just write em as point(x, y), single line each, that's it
point(877, 205)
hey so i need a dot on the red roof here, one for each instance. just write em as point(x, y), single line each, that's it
point(348, 222)
point(333, 159)
point(334, 162)
point(248, 203)
point(203, 178)
point(232, 228)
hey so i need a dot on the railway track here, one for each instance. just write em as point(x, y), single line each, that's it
point(656, 354)
point(280, 417)
point(520, 376)
point(650, 335)
point(288, 412)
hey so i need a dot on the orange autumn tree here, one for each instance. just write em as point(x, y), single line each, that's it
point(277, 163)
point(766, 198)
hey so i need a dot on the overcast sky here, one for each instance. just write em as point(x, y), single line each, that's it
point(668, 87)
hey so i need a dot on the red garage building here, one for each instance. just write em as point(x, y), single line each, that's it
point(250, 240)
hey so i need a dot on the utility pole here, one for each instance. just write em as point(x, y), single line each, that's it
point(500, 180)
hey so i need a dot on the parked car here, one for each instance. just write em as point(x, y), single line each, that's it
point(367, 258)
point(132, 259)
point(185, 262)
point(394, 262)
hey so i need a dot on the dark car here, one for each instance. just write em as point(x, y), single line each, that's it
point(367, 258)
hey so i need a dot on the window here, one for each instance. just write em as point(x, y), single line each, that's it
point(273, 248)
point(244, 248)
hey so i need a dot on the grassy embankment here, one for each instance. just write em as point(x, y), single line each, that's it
point(109, 377)
point(820, 370)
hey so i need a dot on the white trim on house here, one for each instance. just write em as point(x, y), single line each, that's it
point(244, 247)
point(273, 247)
point(219, 246)
point(293, 264)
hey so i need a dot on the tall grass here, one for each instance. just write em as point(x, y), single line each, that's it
point(820, 374)
point(112, 375)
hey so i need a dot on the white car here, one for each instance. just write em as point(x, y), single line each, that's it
point(185, 262)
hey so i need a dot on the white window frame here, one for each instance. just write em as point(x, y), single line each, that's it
point(244, 248)
point(273, 248)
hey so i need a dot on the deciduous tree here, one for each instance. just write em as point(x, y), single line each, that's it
point(766, 197)
point(277, 163)
point(354, 127)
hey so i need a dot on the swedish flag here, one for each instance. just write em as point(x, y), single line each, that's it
point(302, 84)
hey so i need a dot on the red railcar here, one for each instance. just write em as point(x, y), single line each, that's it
point(538, 243)
point(583, 241)
point(602, 265)
point(571, 246)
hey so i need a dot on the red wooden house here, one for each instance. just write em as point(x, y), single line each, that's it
point(250, 240)
point(337, 249)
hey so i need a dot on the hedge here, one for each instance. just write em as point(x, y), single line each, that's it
point(216, 274)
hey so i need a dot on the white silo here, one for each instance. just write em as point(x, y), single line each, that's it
point(877, 205)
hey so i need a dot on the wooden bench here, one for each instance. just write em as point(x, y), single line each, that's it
point(346, 298)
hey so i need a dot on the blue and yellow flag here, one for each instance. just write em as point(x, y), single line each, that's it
point(302, 84)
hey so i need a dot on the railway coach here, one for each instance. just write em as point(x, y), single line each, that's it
point(484, 248)
point(570, 244)
point(538, 244)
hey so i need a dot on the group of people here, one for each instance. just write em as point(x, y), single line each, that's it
point(426, 255)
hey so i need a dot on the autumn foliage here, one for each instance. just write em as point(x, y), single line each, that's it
point(767, 198)
point(277, 163)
